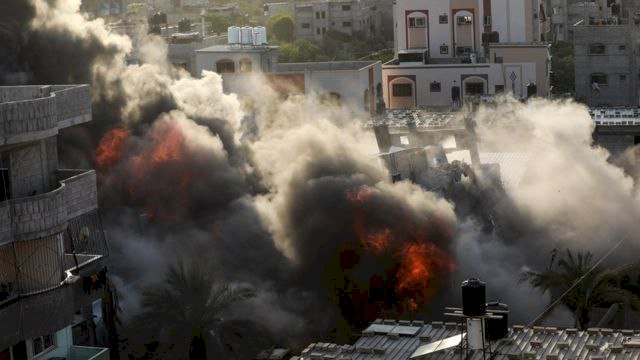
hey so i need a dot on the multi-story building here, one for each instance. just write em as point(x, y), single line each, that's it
point(566, 14)
point(52, 246)
point(606, 61)
point(350, 17)
point(450, 50)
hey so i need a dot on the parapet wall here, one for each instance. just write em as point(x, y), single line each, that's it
point(29, 113)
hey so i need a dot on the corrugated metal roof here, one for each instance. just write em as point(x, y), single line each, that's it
point(522, 343)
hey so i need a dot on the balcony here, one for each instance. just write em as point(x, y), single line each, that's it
point(47, 237)
point(88, 353)
point(30, 113)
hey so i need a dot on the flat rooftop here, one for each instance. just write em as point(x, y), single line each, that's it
point(423, 118)
point(390, 339)
point(324, 66)
point(615, 116)
point(237, 49)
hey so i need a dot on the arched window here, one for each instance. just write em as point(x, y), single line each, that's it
point(225, 66)
point(245, 65)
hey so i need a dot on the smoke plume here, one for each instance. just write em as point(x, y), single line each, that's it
point(284, 195)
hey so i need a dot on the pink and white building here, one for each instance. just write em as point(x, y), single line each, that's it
point(448, 50)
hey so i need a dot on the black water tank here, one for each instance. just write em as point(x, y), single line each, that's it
point(496, 329)
point(473, 297)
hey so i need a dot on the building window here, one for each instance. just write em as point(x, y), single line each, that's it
point(599, 78)
point(42, 344)
point(323, 15)
point(596, 49)
point(487, 20)
point(346, 7)
point(463, 50)
point(346, 24)
point(417, 22)
point(225, 66)
point(444, 49)
point(623, 77)
point(317, 31)
point(317, 14)
point(464, 20)
point(402, 90)
point(444, 19)
point(435, 87)
point(245, 65)
point(499, 89)
point(474, 88)
point(305, 25)
point(324, 30)
point(622, 48)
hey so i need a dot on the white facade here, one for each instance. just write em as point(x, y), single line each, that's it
point(229, 59)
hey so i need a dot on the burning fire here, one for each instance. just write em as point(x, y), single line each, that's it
point(110, 148)
point(419, 263)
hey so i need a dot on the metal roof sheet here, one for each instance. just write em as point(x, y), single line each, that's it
point(521, 343)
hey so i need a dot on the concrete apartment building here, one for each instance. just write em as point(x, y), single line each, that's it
point(352, 83)
point(566, 14)
point(606, 61)
point(52, 246)
point(451, 50)
point(351, 17)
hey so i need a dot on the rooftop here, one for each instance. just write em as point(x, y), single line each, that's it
point(389, 339)
point(237, 49)
point(423, 118)
point(324, 66)
point(615, 116)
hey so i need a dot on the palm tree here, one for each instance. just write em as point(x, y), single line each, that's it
point(597, 287)
point(186, 308)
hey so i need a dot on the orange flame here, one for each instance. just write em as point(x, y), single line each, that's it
point(420, 269)
point(110, 148)
point(420, 262)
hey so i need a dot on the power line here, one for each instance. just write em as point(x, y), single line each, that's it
point(575, 283)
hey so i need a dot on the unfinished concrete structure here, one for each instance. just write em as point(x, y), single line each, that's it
point(616, 129)
point(52, 247)
point(606, 56)
point(410, 140)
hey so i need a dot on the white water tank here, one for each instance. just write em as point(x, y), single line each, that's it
point(233, 35)
point(246, 35)
point(259, 35)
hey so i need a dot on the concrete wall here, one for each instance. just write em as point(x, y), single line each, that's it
point(539, 55)
point(618, 64)
point(261, 61)
point(28, 171)
point(452, 75)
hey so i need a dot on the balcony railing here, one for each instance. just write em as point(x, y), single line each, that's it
point(47, 236)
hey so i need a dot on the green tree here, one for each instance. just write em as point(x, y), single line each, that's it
point(300, 50)
point(186, 310)
point(597, 288)
point(219, 24)
point(563, 68)
point(281, 26)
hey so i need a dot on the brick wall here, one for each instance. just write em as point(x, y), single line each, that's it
point(40, 215)
point(20, 118)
